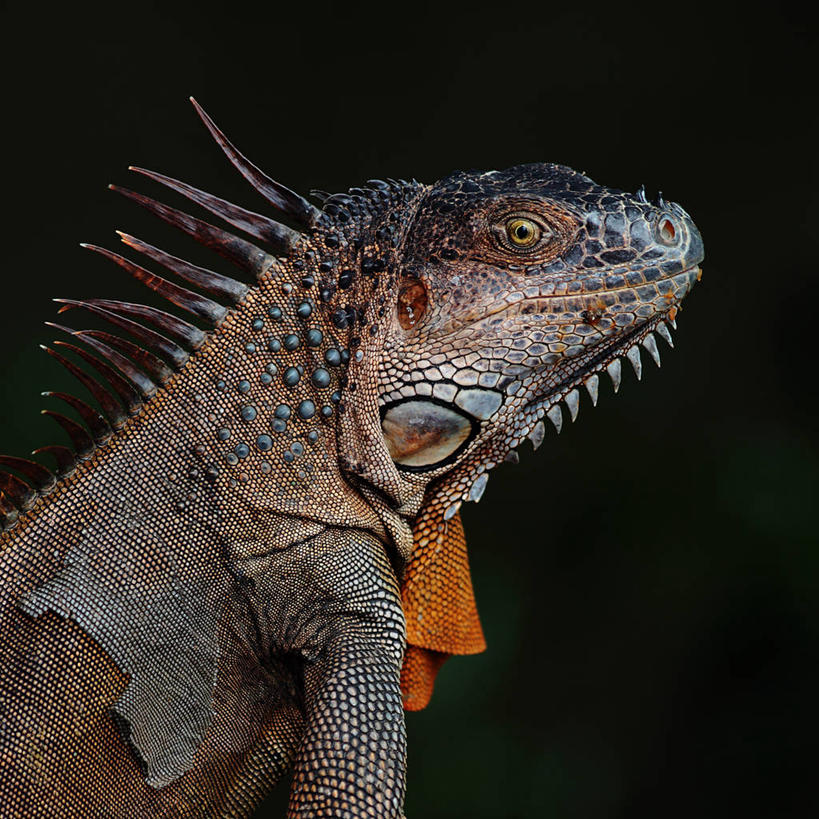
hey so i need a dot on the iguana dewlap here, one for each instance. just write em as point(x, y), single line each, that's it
point(251, 557)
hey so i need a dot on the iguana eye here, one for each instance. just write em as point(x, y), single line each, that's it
point(522, 232)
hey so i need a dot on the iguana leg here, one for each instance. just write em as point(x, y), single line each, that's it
point(350, 631)
point(351, 761)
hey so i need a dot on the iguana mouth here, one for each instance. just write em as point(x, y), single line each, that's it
point(605, 356)
point(515, 309)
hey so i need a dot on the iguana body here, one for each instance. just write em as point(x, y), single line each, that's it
point(225, 585)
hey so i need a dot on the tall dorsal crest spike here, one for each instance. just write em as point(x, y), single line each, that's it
point(61, 454)
point(152, 340)
point(82, 442)
point(39, 477)
point(124, 389)
point(280, 196)
point(258, 226)
point(200, 306)
point(243, 254)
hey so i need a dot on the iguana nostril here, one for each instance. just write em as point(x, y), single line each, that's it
point(667, 231)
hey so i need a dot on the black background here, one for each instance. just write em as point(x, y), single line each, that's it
point(647, 580)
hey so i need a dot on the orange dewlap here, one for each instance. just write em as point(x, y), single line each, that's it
point(418, 676)
point(439, 604)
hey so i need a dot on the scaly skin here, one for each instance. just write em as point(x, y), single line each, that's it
point(226, 586)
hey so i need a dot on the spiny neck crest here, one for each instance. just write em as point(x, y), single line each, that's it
point(320, 280)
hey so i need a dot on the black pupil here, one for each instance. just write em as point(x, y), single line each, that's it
point(522, 231)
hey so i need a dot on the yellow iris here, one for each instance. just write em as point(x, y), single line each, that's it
point(522, 232)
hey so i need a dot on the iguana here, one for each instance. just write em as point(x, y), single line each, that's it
point(252, 555)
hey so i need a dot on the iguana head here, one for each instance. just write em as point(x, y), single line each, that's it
point(517, 287)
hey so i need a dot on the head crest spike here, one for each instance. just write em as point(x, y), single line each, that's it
point(281, 197)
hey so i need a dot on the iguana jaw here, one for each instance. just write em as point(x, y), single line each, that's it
point(560, 384)
point(606, 354)
point(607, 360)
point(522, 416)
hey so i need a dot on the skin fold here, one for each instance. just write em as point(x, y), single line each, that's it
point(252, 560)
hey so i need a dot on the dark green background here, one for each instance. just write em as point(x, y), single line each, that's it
point(647, 580)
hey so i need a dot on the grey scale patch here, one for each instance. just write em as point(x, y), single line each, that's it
point(482, 404)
